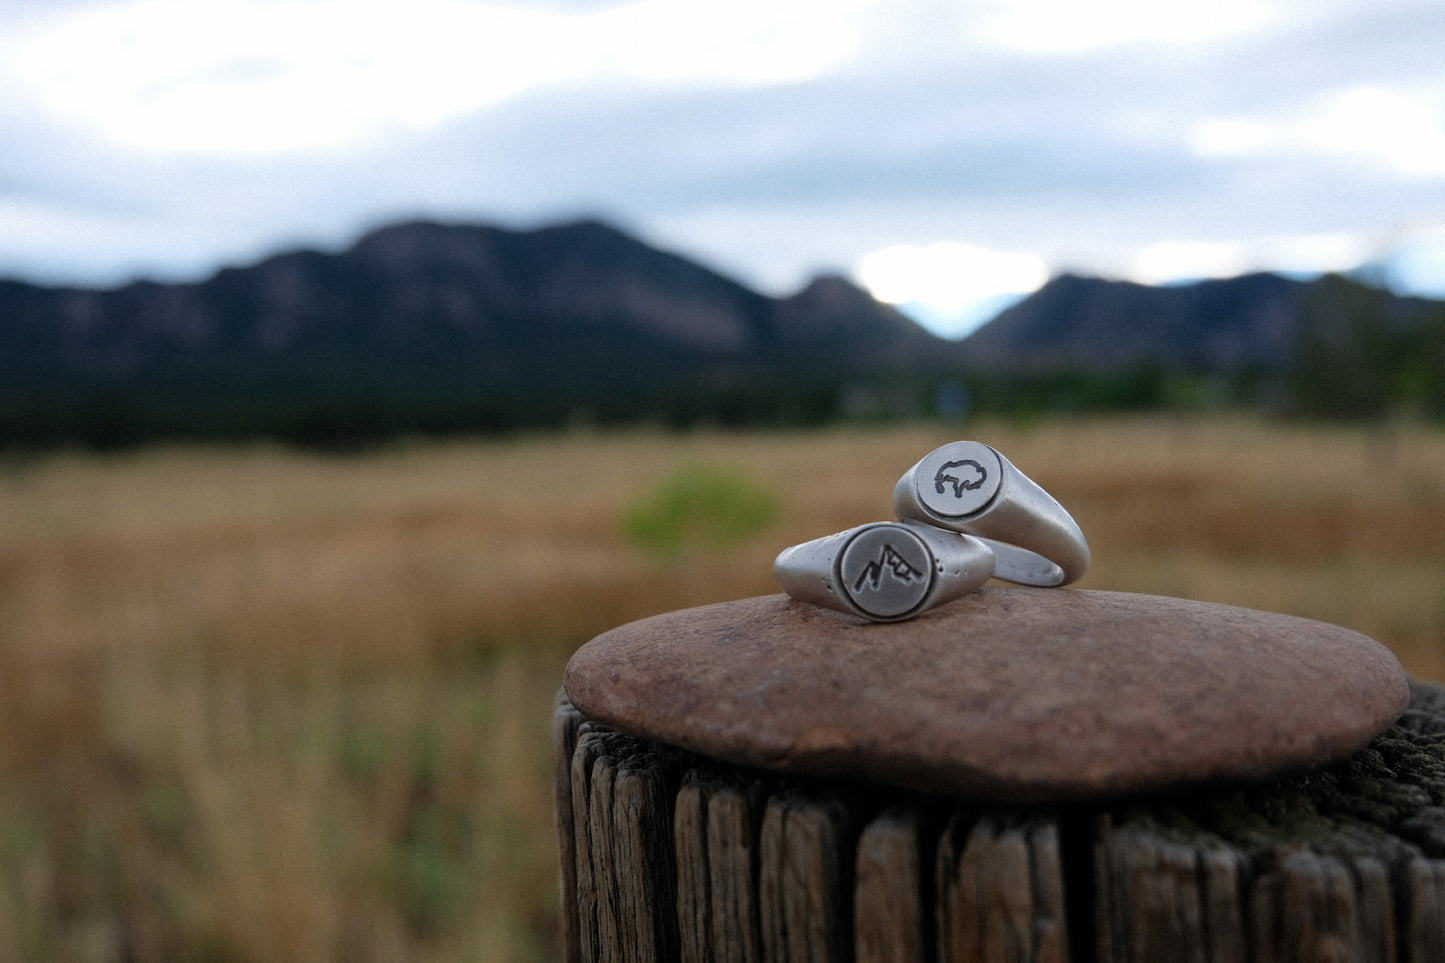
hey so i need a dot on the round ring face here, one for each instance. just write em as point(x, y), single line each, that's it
point(887, 571)
point(958, 479)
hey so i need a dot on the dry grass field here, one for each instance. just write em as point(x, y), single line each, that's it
point(260, 705)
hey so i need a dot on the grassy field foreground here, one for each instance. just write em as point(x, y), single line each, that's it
point(258, 704)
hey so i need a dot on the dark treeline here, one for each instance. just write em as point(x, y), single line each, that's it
point(1360, 356)
point(1364, 370)
point(1368, 375)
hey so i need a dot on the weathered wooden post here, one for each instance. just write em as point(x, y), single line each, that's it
point(1023, 775)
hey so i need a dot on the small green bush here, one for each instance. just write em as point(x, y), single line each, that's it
point(699, 506)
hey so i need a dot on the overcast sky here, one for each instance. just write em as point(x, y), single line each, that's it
point(940, 152)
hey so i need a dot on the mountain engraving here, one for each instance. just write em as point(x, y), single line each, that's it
point(889, 563)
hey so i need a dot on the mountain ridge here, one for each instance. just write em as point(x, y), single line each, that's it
point(429, 327)
point(1104, 325)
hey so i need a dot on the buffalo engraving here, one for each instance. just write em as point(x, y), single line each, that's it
point(962, 476)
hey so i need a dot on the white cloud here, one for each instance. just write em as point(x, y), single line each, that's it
point(1310, 253)
point(238, 76)
point(1167, 262)
point(1059, 26)
point(1402, 130)
point(950, 287)
point(1229, 137)
point(771, 137)
point(948, 274)
point(749, 42)
point(248, 76)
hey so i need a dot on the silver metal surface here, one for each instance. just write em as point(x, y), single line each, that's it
point(968, 487)
point(884, 571)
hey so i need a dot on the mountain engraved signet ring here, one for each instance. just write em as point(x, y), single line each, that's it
point(884, 571)
point(968, 487)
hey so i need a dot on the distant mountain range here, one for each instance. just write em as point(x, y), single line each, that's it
point(1330, 346)
point(432, 327)
point(1255, 321)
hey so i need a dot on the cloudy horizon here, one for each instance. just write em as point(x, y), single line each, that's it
point(947, 155)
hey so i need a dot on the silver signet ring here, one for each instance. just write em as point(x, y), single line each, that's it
point(968, 487)
point(884, 571)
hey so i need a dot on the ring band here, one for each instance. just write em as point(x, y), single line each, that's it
point(884, 571)
point(968, 487)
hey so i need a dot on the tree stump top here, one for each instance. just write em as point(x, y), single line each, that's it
point(1011, 694)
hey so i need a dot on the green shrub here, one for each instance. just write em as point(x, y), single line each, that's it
point(699, 505)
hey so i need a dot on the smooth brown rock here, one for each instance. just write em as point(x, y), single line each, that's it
point(1011, 694)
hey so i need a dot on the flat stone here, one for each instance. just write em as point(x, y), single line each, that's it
point(1011, 694)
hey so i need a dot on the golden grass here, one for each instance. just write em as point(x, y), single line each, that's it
point(258, 704)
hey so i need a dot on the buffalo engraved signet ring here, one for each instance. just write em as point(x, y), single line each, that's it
point(884, 571)
point(968, 487)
